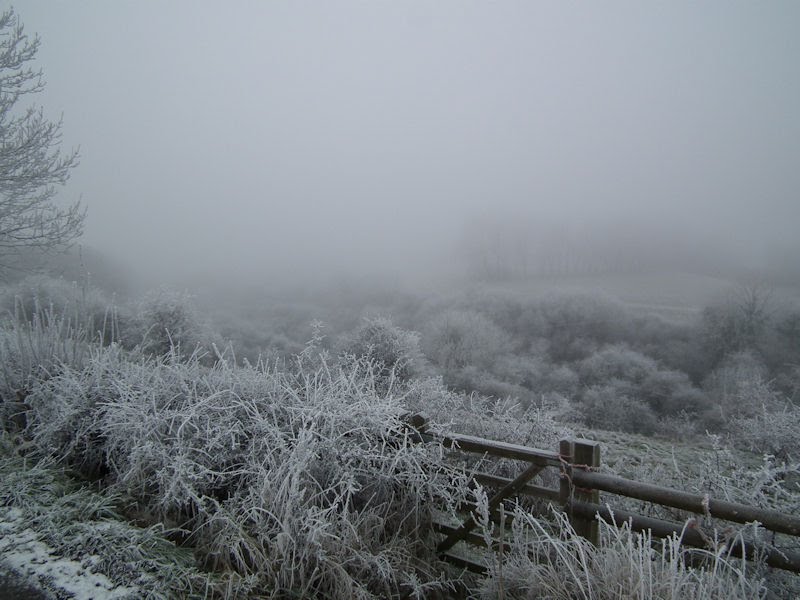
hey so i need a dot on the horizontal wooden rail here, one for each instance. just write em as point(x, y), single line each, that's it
point(730, 511)
point(528, 490)
point(469, 443)
point(462, 562)
point(789, 561)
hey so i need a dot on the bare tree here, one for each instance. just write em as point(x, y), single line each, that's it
point(31, 162)
point(739, 323)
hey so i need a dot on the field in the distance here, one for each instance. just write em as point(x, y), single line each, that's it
point(673, 295)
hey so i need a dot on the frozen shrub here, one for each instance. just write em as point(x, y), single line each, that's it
point(671, 392)
point(611, 406)
point(84, 307)
point(625, 372)
point(395, 351)
point(471, 379)
point(34, 350)
point(736, 324)
point(578, 324)
point(302, 481)
point(781, 349)
point(758, 417)
point(738, 386)
point(536, 373)
point(432, 397)
point(559, 379)
point(674, 345)
point(456, 339)
point(65, 410)
point(508, 376)
point(169, 323)
point(773, 430)
point(256, 337)
point(616, 362)
point(35, 292)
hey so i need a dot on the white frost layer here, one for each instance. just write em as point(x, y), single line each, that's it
point(22, 552)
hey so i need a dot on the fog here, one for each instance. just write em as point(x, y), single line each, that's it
point(293, 141)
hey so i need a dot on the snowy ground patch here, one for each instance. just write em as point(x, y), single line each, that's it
point(23, 553)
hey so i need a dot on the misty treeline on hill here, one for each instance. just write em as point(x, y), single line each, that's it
point(587, 356)
point(499, 245)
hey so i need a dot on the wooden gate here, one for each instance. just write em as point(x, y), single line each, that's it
point(578, 494)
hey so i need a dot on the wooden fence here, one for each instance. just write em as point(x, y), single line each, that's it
point(578, 494)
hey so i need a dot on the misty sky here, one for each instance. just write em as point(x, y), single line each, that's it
point(316, 137)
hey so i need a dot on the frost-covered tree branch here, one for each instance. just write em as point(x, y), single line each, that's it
point(32, 165)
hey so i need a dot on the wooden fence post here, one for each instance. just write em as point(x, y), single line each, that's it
point(579, 454)
point(565, 451)
point(587, 456)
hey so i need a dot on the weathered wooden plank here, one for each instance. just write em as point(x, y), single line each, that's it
point(469, 443)
point(786, 560)
point(494, 502)
point(528, 489)
point(565, 481)
point(731, 511)
point(462, 562)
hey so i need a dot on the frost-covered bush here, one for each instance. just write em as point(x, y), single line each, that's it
point(395, 351)
point(35, 349)
point(616, 362)
point(633, 391)
point(773, 430)
point(65, 410)
point(740, 322)
point(577, 324)
point(474, 355)
point(531, 375)
point(470, 379)
point(456, 339)
point(30, 295)
point(671, 393)
point(612, 405)
point(169, 323)
point(302, 481)
point(738, 386)
point(84, 307)
point(781, 349)
point(759, 417)
point(572, 325)
point(258, 335)
point(559, 379)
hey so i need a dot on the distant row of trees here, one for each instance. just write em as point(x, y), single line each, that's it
point(497, 247)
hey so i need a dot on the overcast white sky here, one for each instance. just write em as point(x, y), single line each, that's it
point(315, 136)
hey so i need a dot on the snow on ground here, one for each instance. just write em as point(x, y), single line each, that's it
point(23, 553)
